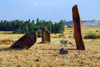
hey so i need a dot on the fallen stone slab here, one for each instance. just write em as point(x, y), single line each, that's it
point(26, 41)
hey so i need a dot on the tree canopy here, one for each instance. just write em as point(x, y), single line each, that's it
point(21, 27)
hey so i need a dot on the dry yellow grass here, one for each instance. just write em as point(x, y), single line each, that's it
point(10, 36)
point(85, 30)
point(47, 55)
point(5, 32)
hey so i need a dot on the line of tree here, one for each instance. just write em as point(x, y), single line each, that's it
point(21, 27)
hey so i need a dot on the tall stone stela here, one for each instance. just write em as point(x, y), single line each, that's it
point(45, 35)
point(77, 28)
point(26, 41)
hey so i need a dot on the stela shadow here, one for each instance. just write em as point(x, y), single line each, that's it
point(9, 49)
point(59, 49)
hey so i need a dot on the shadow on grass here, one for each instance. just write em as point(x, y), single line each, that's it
point(42, 43)
point(97, 37)
point(59, 49)
point(9, 49)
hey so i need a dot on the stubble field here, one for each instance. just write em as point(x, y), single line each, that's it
point(47, 55)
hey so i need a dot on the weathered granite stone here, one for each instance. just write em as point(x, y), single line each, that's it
point(77, 28)
point(68, 43)
point(63, 51)
point(26, 41)
point(45, 35)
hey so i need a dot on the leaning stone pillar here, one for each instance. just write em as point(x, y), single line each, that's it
point(77, 28)
point(45, 35)
point(26, 41)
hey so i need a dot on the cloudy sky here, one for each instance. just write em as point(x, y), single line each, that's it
point(54, 10)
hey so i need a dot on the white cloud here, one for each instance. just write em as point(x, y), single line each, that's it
point(36, 4)
point(56, 5)
point(32, 3)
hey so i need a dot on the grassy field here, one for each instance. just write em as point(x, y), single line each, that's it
point(47, 55)
point(5, 32)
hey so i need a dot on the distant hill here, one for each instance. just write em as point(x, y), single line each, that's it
point(86, 23)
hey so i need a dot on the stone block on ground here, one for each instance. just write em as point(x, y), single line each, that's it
point(63, 51)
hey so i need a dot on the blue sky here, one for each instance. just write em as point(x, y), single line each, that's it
point(54, 10)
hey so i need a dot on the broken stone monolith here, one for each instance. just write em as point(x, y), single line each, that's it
point(45, 35)
point(26, 41)
point(77, 28)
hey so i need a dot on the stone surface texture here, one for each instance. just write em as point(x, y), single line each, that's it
point(26, 41)
point(45, 35)
point(77, 28)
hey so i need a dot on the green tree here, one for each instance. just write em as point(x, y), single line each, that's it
point(18, 26)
